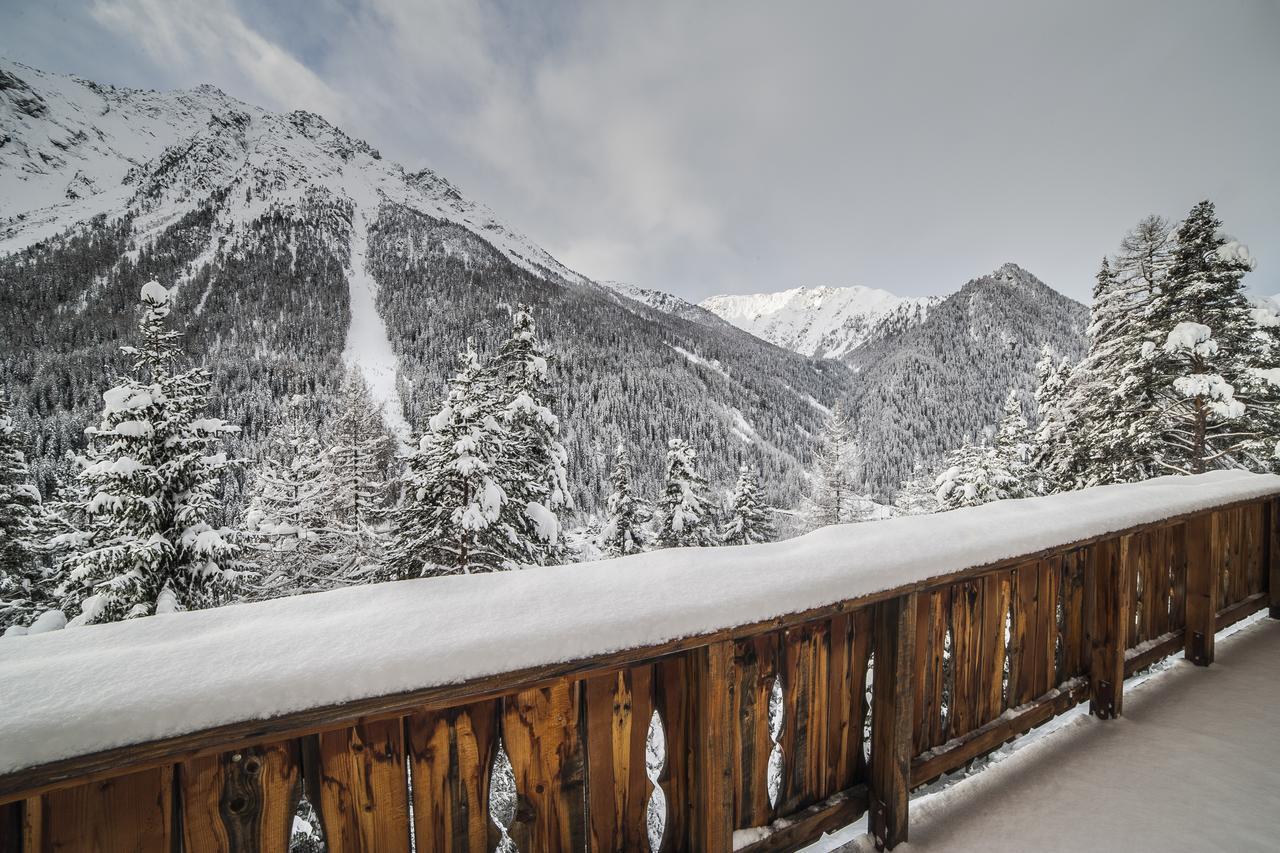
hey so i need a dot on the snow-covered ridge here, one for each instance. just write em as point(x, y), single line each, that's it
point(75, 149)
point(82, 690)
point(825, 322)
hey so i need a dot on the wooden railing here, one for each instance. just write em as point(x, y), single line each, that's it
point(880, 695)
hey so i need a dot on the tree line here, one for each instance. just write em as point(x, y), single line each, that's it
point(1181, 376)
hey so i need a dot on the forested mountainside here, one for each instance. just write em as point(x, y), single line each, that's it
point(923, 388)
point(668, 303)
point(255, 216)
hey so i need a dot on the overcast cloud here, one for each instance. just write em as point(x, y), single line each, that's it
point(736, 147)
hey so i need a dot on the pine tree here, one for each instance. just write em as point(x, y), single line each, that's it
point(1206, 352)
point(285, 525)
point(355, 497)
point(748, 520)
point(150, 476)
point(1012, 447)
point(23, 579)
point(975, 474)
point(451, 518)
point(684, 514)
point(532, 472)
point(623, 531)
point(918, 495)
point(833, 499)
point(1054, 456)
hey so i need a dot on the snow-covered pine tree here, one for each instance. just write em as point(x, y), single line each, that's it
point(150, 476)
point(23, 578)
point(359, 454)
point(624, 531)
point(684, 512)
point(532, 471)
point(748, 520)
point(1012, 447)
point(833, 499)
point(1206, 351)
point(285, 525)
point(1054, 462)
point(918, 495)
point(975, 474)
point(450, 520)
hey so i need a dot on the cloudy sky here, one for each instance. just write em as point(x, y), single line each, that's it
point(740, 147)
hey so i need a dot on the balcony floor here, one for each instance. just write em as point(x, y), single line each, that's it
point(1194, 765)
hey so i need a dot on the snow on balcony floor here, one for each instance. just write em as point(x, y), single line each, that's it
point(1193, 765)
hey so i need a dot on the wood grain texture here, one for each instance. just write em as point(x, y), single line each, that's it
point(805, 827)
point(1273, 557)
point(1204, 585)
point(890, 772)
point(540, 730)
point(128, 814)
point(756, 667)
point(933, 617)
point(806, 672)
point(618, 708)
point(363, 800)
point(451, 754)
point(1110, 608)
point(240, 801)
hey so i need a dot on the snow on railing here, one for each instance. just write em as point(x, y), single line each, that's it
point(430, 672)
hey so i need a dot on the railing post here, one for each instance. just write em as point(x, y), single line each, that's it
point(892, 707)
point(1108, 606)
point(1202, 589)
point(1271, 542)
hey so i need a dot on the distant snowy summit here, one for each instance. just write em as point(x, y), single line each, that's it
point(825, 322)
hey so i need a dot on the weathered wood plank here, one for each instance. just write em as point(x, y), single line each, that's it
point(844, 707)
point(806, 672)
point(451, 755)
point(694, 700)
point(1177, 557)
point(808, 826)
point(1110, 606)
point(890, 776)
point(966, 650)
point(363, 800)
point(541, 734)
point(242, 800)
point(1074, 651)
point(1049, 570)
point(1204, 586)
point(932, 619)
point(989, 676)
point(756, 666)
point(1273, 558)
point(129, 813)
point(617, 713)
point(980, 741)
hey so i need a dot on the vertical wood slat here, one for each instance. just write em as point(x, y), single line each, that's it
point(806, 670)
point(540, 731)
point(618, 707)
point(756, 667)
point(127, 813)
point(451, 755)
point(1273, 558)
point(932, 619)
point(1074, 635)
point(241, 800)
point(363, 801)
point(11, 828)
point(1203, 588)
point(1109, 607)
point(1255, 522)
point(966, 618)
point(1176, 544)
point(894, 637)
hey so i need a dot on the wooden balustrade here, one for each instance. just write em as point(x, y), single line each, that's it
point(878, 696)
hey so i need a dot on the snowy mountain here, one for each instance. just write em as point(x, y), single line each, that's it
point(298, 249)
point(824, 322)
point(925, 387)
point(667, 303)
